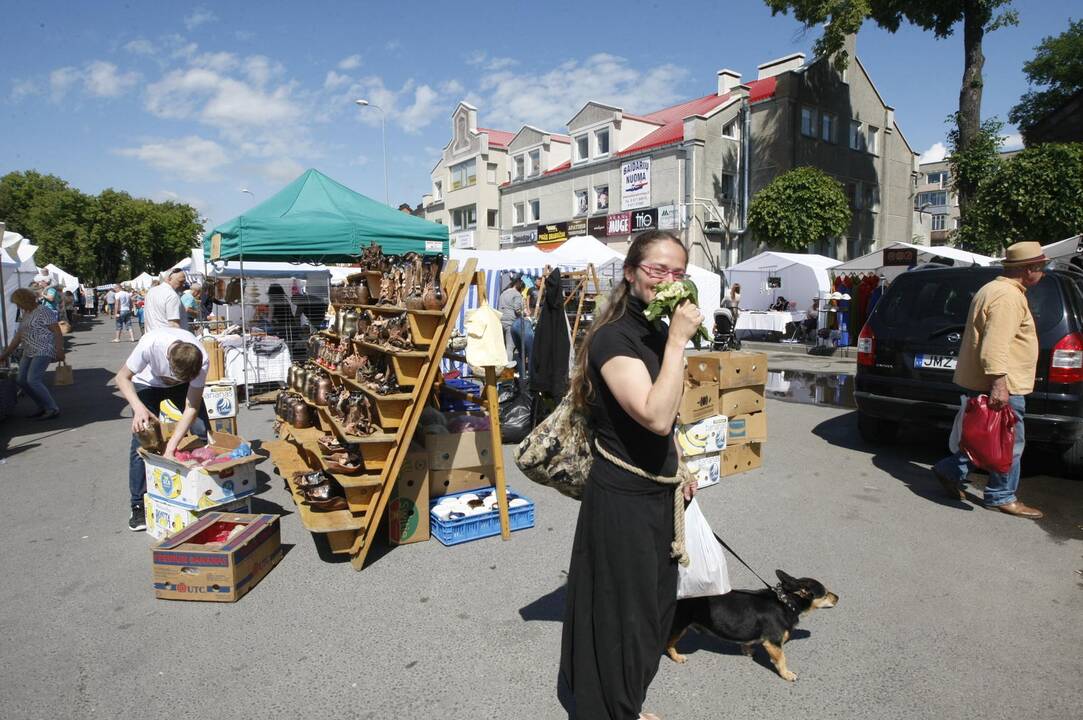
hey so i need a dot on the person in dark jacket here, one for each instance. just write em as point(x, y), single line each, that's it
point(552, 343)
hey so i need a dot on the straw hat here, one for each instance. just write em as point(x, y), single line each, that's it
point(1024, 253)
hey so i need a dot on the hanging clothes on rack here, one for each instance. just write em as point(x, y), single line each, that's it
point(552, 342)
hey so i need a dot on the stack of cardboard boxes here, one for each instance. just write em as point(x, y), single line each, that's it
point(722, 419)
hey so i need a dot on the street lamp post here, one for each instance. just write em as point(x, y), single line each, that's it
point(361, 102)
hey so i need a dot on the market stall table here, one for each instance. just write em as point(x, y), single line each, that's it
point(766, 321)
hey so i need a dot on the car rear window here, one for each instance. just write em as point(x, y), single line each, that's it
point(930, 304)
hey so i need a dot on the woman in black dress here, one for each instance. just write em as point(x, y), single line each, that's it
point(622, 581)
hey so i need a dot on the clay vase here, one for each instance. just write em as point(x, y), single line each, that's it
point(323, 389)
point(302, 414)
point(349, 323)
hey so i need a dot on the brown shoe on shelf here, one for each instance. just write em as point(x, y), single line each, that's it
point(1018, 509)
point(951, 487)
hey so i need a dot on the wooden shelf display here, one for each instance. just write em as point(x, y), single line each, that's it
point(352, 531)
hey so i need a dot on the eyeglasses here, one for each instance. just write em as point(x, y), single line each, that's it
point(657, 272)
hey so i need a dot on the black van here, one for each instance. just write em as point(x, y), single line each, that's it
point(908, 349)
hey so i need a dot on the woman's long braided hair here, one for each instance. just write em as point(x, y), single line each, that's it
point(615, 307)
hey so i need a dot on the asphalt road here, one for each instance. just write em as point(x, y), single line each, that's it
point(946, 610)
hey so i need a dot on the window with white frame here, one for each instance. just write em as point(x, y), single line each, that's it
point(581, 203)
point(808, 122)
point(491, 216)
point(520, 167)
point(827, 127)
point(931, 198)
point(601, 142)
point(464, 218)
point(857, 139)
point(582, 148)
point(601, 198)
point(535, 210)
point(727, 190)
point(464, 174)
point(940, 222)
point(437, 190)
point(872, 197)
point(535, 163)
point(519, 213)
point(731, 129)
point(940, 178)
point(874, 140)
point(490, 173)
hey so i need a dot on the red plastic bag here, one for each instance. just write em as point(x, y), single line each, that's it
point(988, 436)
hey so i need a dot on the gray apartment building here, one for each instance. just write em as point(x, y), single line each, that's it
point(936, 205)
point(693, 167)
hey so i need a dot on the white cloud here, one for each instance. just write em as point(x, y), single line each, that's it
point(350, 63)
point(101, 79)
point(452, 87)
point(218, 61)
point(260, 69)
point(550, 99)
point(936, 153)
point(413, 106)
point(481, 59)
point(199, 16)
point(190, 158)
point(23, 88)
point(335, 80)
point(282, 170)
point(60, 81)
point(422, 111)
point(140, 46)
point(218, 100)
point(1013, 141)
point(360, 160)
point(171, 196)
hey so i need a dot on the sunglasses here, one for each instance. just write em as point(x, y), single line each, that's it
point(657, 272)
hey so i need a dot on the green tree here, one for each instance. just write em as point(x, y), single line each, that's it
point(799, 208)
point(1057, 66)
point(843, 17)
point(1035, 195)
point(971, 167)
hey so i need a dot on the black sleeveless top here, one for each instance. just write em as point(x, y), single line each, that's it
point(631, 335)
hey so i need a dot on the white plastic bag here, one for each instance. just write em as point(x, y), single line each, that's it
point(706, 573)
point(957, 427)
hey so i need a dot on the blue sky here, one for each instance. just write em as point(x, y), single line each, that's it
point(193, 101)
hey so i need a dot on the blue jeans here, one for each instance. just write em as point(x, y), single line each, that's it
point(31, 380)
point(1000, 490)
point(152, 398)
point(522, 335)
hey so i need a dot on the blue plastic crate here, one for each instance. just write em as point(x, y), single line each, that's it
point(450, 403)
point(475, 527)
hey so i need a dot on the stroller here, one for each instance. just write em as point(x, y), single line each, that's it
point(725, 334)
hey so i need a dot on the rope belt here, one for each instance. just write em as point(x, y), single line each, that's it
point(677, 549)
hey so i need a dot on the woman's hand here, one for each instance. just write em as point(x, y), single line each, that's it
point(690, 491)
point(685, 322)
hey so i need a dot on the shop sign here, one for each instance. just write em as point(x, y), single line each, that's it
point(525, 237)
point(667, 218)
point(506, 238)
point(577, 228)
point(635, 184)
point(644, 220)
point(900, 257)
point(619, 224)
point(463, 240)
point(434, 246)
point(552, 233)
point(598, 226)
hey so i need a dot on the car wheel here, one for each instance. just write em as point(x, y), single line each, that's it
point(876, 430)
point(1072, 457)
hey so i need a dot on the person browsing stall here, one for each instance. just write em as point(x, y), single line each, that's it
point(998, 357)
point(162, 306)
point(511, 308)
point(622, 579)
point(167, 364)
point(122, 311)
point(42, 342)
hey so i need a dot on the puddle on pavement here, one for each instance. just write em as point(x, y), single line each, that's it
point(811, 388)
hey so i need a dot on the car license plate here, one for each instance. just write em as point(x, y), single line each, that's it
point(934, 362)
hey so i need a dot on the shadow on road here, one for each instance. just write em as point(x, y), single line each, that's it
point(695, 640)
point(547, 608)
point(1060, 498)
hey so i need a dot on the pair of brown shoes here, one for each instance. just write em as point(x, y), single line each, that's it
point(1018, 509)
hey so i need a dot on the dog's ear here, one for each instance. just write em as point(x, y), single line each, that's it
point(787, 581)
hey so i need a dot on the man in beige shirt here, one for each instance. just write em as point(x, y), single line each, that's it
point(998, 357)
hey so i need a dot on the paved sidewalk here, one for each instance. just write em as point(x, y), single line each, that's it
point(947, 611)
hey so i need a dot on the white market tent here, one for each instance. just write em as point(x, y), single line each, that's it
point(874, 261)
point(19, 270)
point(1065, 249)
point(802, 277)
point(64, 279)
point(142, 282)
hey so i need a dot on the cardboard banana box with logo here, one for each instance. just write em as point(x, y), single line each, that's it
point(188, 484)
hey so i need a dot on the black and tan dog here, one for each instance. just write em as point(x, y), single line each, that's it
point(750, 617)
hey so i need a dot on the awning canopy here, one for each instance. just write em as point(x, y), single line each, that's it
point(315, 219)
point(1065, 249)
point(874, 261)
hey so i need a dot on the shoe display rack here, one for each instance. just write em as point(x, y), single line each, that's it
point(386, 381)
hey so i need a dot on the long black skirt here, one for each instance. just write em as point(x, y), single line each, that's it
point(622, 592)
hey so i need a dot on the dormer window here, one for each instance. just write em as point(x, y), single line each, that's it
point(520, 164)
point(535, 163)
point(582, 148)
point(601, 142)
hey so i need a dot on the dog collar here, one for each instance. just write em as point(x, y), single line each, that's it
point(785, 599)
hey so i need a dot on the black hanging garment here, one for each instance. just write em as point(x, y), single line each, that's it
point(549, 361)
point(622, 582)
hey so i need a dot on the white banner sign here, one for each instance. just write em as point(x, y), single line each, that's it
point(667, 217)
point(463, 240)
point(635, 184)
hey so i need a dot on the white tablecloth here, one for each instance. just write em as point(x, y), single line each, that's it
point(770, 321)
point(262, 368)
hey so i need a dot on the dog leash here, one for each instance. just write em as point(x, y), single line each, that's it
point(776, 589)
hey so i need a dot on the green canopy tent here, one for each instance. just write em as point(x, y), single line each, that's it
point(315, 219)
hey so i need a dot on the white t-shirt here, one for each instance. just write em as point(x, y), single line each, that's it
point(161, 305)
point(150, 359)
point(124, 299)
